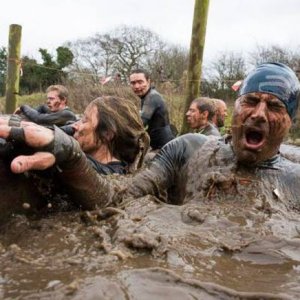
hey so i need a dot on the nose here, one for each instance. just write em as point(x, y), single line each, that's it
point(75, 125)
point(260, 111)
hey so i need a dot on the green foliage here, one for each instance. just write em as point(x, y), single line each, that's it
point(31, 80)
point(64, 57)
point(37, 77)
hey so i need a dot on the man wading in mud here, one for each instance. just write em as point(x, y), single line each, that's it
point(193, 166)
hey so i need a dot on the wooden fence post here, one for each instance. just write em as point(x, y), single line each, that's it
point(13, 68)
point(196, 55)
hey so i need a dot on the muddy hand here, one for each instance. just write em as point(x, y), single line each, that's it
point(37, 161)
point(31, 134)
point(34, 136)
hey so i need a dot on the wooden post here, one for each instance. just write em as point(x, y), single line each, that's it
point(196, 55)
point(13, 68)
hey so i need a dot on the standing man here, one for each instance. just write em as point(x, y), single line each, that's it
point(154, 112)
point(200, 115)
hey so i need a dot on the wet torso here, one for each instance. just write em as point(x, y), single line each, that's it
point(197, 168)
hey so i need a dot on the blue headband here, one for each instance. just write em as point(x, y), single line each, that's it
point(276, 79)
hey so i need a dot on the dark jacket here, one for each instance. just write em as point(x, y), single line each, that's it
point(155, 117)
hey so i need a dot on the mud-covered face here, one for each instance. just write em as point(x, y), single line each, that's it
point(139, 84)
point(195, 118)
point(221, 114)
point(260, 122)
point(85, 130)
point(54, 103)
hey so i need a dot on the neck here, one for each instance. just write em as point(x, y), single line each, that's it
point(103, 155)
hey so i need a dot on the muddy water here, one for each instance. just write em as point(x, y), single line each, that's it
point(236, 238)
point(150, 250)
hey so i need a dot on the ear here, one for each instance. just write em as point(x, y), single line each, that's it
point(109, 135)
point(205, 114)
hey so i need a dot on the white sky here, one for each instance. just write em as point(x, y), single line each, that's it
point(238, 25)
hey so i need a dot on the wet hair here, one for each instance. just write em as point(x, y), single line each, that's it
point(206, 104)
point(121, 129)
point(138, 71)
point(61, 90)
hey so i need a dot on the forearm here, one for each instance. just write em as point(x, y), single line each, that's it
point(89, 189)
point(53, 118)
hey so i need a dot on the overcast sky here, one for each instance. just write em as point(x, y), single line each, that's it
point(238, 25)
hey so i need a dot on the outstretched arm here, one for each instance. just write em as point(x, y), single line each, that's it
point(86, 186)
point(58, 118)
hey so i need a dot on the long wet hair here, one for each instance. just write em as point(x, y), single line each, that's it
point(121, 129)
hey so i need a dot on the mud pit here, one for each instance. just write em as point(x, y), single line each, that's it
point(151, 250)
point(240, 243)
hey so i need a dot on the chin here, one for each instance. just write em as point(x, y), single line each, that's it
point(248, 157)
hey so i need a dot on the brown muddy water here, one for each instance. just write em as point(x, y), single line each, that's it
point(241, 248)
point(150, 250)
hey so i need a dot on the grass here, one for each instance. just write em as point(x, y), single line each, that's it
point(32, 100)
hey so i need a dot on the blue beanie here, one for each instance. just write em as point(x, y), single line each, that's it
point(276, 79)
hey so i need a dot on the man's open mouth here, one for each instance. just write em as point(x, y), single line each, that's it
point(254, 139)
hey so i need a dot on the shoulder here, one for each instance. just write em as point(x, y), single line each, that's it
point(213, 130)
point(154, 95)
point(68, 112)
point(290, 152)
point(185, 145)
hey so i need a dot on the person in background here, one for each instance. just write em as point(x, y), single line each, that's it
point(200, 115)
point(221, 113)
point(154, 112)
point(54, 112)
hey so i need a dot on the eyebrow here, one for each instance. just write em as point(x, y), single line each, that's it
point(252, 97)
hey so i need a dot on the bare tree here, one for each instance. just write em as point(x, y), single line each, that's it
point(120, 51)
point(169, 64)
point(275, 53)
point(228, 68)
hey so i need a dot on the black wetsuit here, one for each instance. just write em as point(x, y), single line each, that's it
point(114, 167)
point(155, 117)
point(209, 129)
point(43, 116)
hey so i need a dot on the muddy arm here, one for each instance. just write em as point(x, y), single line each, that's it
point(85, 186)
point(166, 169)
point(91, 190)
point(58, 118)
